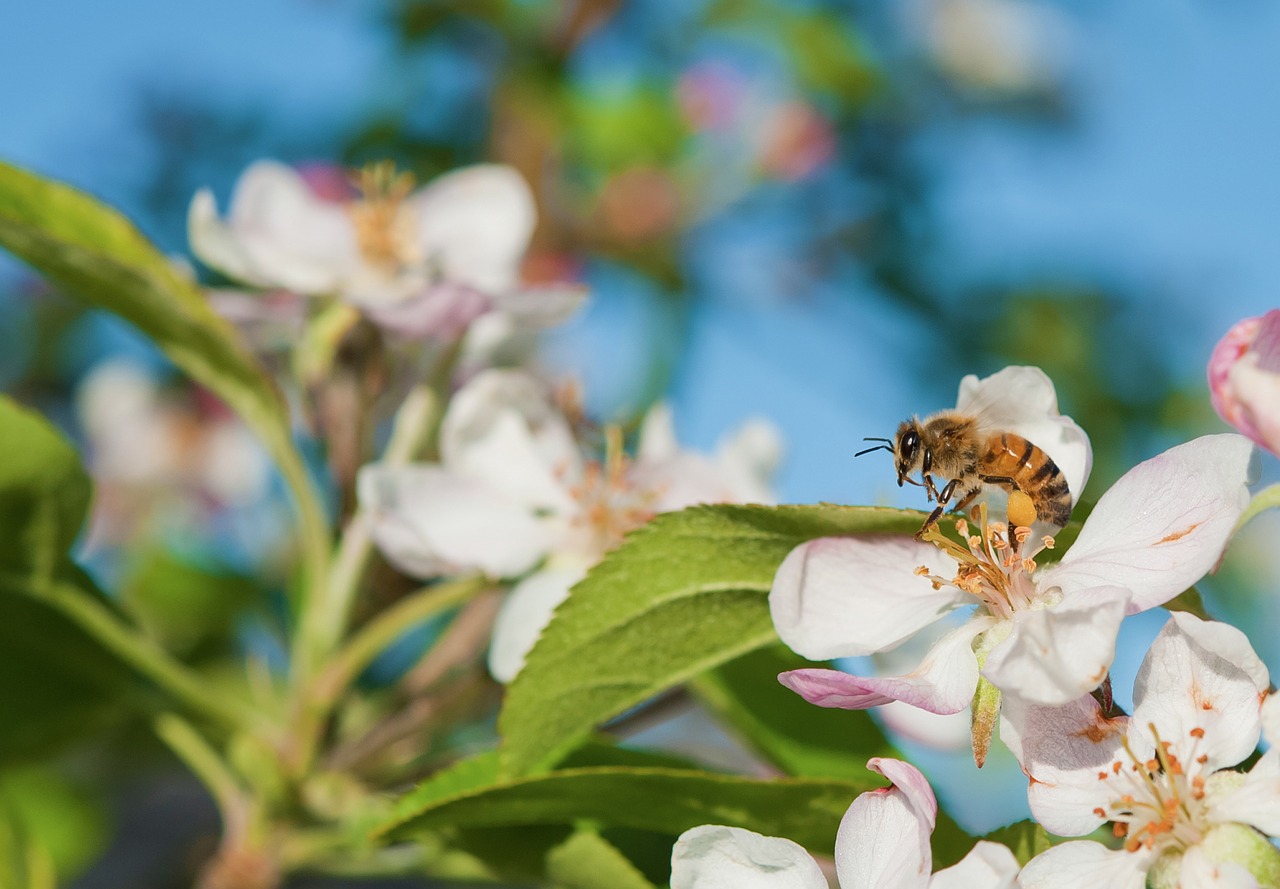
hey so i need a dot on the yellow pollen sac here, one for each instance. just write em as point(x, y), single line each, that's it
point(1021, 511)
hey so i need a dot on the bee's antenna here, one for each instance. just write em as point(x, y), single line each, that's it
point(876, 448)
point(885, 440)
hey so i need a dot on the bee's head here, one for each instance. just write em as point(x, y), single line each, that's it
point(906, 449)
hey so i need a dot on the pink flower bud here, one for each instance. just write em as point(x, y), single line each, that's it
point(1244, 378)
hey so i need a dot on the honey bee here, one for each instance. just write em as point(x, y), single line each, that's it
point(958, 447)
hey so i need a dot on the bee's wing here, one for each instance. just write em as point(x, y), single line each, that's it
point(1022, 400)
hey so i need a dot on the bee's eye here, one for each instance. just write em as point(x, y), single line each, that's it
point(910, 441)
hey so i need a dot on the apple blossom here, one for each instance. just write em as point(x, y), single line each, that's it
point(1046, 634)
point(882, 843)
point(513, 491)
point(419, 263)
point(1161, 776)
point(1244, 378)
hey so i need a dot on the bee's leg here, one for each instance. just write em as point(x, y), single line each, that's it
point(967, 499)
point(930, 490)
point(1005, 481)
point(944, 496)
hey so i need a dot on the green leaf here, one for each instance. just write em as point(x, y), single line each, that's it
point(44, 493)
point(62, 821)
point(780, 726)
point(680, 596)
point(56, 681)
point(1190, 601)
point(1025, 839)
point(588, 861)
point(93, 252)
point(186, 606)
point(669, 800)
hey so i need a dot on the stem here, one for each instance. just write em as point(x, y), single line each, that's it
point(146, 657)
point(204, 763)
point(325, 615)
point(1267, 498)
point(386, 628)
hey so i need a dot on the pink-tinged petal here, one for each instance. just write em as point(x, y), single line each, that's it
point(987, 866)
point(428, 521)
point(502, 428)
point(1022, 400)
point(1244, 378)
point(270, 320)
point(1199, 871)
point(524, 614)
point(716, 857)
point(1257, 392)
point(852, 596)
point(883, 840)
point(1084, 864)
point(1055, 655)
point(1226, 354)
point(474, 225)
point(943, 683)
point(1069, 753)
point(1256, 801)
point(287, 236)
point(541, 306)
point(440, 311)
point(1163, 525)
point(1202, 675)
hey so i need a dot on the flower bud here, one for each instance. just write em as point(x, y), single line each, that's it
point(1244, 378)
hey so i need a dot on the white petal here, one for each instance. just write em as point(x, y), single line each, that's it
point(1068, 752)
point(1256, 801)
point(1199, 871)
point(1163, 525)
point(290, 237)
point(716, 857)
point(524, 614)
point(1202, 675)
point(215, 244)
point(851, 596)
point(941, 731)
point(657, 435)
point(944, 682)
point(1055, 655)
point(1085, 865)
point(748, 459)
point(428, 521)
point(1271, 719)
point(475, 224)
point(987, 866)
point(502, 428)
point(1022, 400)
point(883, 841)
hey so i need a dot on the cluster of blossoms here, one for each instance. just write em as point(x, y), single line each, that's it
point(525, 490)
point(1034, 656)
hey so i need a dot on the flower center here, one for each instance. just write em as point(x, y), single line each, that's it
point(991, 565)
point(385, 231)
point(1159, 802)
point(610, 503)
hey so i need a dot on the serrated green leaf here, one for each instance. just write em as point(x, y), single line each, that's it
point(780, 726)
point(588, 861)
point(671, 800)
point(96, 254)
point(680, 596)
point(1026, 839)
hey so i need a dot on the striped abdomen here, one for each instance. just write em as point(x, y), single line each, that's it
point(1031, 471)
